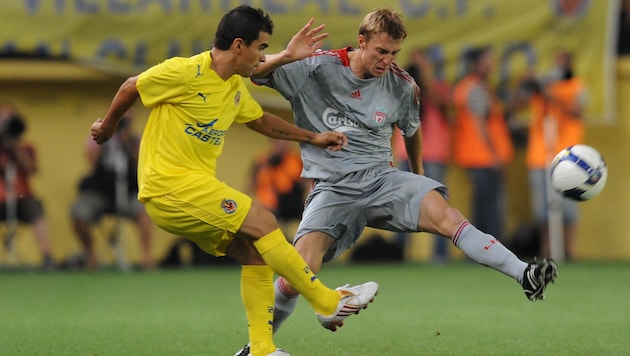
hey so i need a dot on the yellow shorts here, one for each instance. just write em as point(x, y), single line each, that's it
point(208, 214)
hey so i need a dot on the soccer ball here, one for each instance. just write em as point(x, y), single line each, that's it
point(578, 172)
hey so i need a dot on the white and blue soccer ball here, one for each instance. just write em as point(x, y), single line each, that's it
point(578, 172)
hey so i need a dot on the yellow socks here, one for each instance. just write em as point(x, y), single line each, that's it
point(287, 262)
point(258, 296)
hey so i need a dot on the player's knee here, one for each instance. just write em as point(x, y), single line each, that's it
point(445, 222)
point(453, 219)
point(438, 215)
point(259, 222)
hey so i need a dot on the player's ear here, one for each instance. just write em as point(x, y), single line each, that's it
point(238, 43)
point(362, 42)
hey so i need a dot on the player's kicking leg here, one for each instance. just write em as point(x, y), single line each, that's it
point(484, 248)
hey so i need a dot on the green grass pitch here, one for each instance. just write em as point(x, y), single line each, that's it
point(458, 309)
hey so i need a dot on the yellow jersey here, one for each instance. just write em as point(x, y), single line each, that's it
point(191, 110)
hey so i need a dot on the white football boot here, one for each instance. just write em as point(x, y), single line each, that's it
point(352, 300)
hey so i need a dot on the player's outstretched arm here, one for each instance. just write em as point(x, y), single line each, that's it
point(103, 129)
point(275, 127)
point(302, 44)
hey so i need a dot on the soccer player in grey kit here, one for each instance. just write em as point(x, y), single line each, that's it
point(363, 93)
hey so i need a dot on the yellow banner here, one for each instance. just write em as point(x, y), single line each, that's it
point(130, 35)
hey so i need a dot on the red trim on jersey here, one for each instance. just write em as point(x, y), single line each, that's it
point(399, 72)
point(342, 54)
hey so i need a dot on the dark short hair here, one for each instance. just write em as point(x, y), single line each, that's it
point(243, 22)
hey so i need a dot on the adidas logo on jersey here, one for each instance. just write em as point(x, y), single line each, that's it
point(356, 95)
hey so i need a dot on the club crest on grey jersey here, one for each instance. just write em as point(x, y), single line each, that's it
point(380, 115)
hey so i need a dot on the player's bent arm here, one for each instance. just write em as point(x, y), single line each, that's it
point(413, 146)
point(275, 127)
point(302, 44)
point(103, 129)
point(272, 61)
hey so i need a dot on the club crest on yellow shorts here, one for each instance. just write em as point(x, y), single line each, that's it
point(229, 206)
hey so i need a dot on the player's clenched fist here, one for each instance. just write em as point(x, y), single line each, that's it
point(100, 133)
point(332, 140)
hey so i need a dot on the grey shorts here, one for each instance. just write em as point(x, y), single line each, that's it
point(538, 199)
point(383, 198)
point(91, 207)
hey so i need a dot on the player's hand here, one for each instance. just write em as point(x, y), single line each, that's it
point(332, 140)
point(101, 134)
point(306, 41)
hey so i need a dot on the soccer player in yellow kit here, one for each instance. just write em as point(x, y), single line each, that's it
point(193, 103)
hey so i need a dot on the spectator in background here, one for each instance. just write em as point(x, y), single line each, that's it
point(111, 188)
point(277, 184)
point(436, 129)
point(18, 163)
point(556, 105)
point(482, 143)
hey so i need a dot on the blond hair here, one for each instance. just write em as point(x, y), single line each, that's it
point(383, 21)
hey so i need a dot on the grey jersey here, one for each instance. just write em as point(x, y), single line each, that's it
point(325, 95)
